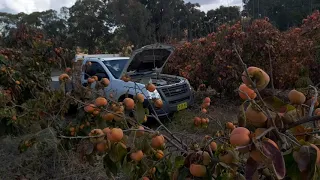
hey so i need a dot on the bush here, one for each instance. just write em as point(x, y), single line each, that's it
point(213, 61)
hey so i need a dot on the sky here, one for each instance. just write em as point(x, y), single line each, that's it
point(29, 6)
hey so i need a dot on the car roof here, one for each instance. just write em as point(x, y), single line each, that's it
point(114, 58)
point(106, 58)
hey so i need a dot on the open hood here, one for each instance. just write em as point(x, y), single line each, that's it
point(150, 58)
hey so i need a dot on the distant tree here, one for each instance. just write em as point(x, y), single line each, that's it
point(282, 13)
point(222, 15)
point(89, 24)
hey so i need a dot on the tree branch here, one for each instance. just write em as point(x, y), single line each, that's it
point(302, 121)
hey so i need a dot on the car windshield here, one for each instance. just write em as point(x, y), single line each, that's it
point(116, 66)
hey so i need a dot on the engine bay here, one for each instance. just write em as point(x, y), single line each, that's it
point(161, 80)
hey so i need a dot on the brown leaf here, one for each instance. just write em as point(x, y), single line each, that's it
point(301, 130)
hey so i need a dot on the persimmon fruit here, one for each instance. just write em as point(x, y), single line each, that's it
point(107, 117)
point(159, 154)
point(213, 146)
point(95, 78)
point(157, 141)
point(255, 117)
point(101, 101)
point(105, 82)
point(137, 156)
point(207, 100)
point(129, 103)
point(158, 103)
point(226, 158)
point(102, 146)
point(257, 75)
point(140, 98)
point(91, 80)
point(89, 108)
point(115, 135)
point(63, 77)
point(240, 136)
point(206, 159)
point(296, 97)
point(198, 170)
point(229, 125)
point(151, 87)
point(96, 132)
point(197, 121)
point(246, 91)
point(140, 132)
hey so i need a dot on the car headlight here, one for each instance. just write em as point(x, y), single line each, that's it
point(154, 95)
point(188, 84)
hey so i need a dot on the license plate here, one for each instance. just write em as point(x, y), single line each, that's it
point(182, 106)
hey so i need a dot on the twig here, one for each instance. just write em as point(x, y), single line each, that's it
point(271, 74)
point(80, 137)
point(313, 103)
point(168, 131)
point(259, 95)
point(265, 132)
point(169, 140)
point(302, 121)
point(145, 130)
point(307, 133)
point(292, 139)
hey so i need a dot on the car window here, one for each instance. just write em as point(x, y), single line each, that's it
point(94, 69)
point(116, 66)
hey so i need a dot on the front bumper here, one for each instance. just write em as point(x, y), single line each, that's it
point(170, 104)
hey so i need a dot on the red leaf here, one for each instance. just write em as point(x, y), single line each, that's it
point(251, 168)
point(278, 164)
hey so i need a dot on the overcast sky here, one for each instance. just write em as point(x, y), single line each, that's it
point(28, 6)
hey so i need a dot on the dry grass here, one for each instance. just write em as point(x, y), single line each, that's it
point(51, 162)
point(45, 162)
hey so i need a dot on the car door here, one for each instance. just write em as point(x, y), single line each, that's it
point(95, 69)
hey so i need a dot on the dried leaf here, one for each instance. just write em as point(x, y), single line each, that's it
point(301, 130)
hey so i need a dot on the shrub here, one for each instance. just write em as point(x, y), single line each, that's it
point(212, 60)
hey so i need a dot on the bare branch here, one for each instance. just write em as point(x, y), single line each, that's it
point(271, 74)
point(313, 103)
point(302, 121)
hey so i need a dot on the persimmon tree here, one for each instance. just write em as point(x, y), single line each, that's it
point(210, 61)
point(270, 140)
